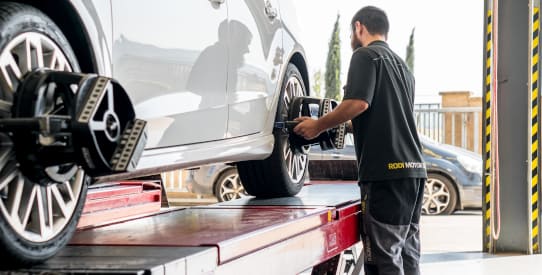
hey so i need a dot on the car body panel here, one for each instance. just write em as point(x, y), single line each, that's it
point(98, 29)
point(471, 197)
point(175, 74)
point(334, 164)
point(255, 63)
point(155, 161)
point(202, 180)
point(237, 123)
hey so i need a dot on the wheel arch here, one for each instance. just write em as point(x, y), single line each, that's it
point(299, 61)
point(66, 17)
point(459, 204)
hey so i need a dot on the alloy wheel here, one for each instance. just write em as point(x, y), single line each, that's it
point(436, 197)
point(296, 161)
point(231, 188)
point(37, 212)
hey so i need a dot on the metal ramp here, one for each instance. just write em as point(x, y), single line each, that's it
point(247, 236)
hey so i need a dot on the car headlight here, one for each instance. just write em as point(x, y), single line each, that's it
point(470, 164)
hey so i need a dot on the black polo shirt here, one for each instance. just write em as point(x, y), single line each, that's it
point(386, 140)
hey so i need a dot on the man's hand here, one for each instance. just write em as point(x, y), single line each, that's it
point(348, 109)
point(307, 127)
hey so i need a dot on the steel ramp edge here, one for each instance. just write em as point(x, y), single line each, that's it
point(235, 231)
point(128, 260)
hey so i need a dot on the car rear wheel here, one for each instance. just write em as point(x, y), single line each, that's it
point(282, 173)
point(440, 196)
point(36, 219)
point(229, 187)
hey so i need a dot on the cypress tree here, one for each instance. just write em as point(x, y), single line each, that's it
point(410, 52)
point(317, 86)
point(333, 64)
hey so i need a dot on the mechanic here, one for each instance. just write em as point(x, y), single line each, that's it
point(379, 101)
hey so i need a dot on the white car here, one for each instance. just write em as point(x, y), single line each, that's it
point(210, 77)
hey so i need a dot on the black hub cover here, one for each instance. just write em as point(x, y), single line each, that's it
point(316, 107)
point(84, 120)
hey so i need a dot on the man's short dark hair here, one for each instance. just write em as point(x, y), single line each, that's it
point(374, 19)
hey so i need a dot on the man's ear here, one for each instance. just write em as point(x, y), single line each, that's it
point(358, 27)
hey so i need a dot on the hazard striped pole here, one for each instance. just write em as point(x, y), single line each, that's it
point(534, 133)
point(488, 73)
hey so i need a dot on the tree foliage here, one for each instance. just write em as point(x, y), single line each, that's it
point(410, 52)
point(333, 64)
point(317, 85)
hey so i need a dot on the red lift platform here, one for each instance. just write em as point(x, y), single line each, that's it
point(247, 236)
point(110, 202)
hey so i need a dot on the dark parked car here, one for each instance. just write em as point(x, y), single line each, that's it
point(454, 183)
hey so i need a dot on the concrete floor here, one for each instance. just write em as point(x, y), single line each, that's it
point(452, 245)
point(481, 264)
point(460, 232)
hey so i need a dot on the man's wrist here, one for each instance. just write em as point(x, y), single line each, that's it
point(318, 125)
point(349, 127)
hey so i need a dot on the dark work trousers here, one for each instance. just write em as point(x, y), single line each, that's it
point(390, 217)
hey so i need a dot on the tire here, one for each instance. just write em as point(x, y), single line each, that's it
point(282, 174)
point(439, 196)
point(36, 220)
point(228, 186)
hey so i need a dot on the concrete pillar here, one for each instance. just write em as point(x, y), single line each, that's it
point(517, 139)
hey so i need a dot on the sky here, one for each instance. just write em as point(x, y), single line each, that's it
point(448, 39)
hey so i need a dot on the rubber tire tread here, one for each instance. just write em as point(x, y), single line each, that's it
point(269, 178)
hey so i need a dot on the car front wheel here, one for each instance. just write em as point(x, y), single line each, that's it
point(283, 173)
point(36, 219)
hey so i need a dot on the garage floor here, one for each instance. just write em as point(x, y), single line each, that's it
point(452, 245)
point(480, 264)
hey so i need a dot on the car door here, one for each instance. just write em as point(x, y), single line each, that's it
point(341, 164)
point(171, 56)
point(255, 61)
point(337, 164)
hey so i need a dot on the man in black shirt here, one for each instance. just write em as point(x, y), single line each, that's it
point(379, 100)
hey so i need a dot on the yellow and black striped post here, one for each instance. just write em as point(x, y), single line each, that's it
point(487, 126)
point(512, 158)
point(534, 133)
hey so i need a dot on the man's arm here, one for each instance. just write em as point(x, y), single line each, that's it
point(347, 110)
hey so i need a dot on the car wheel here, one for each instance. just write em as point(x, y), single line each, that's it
point(282, 173)
point(439, 196)
point(229, 187)
point(36, 220)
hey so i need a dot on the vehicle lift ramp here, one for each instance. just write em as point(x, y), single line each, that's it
point(511, 115)
point(247, 236)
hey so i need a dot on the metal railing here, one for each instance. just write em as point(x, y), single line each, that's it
point(458, 126)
